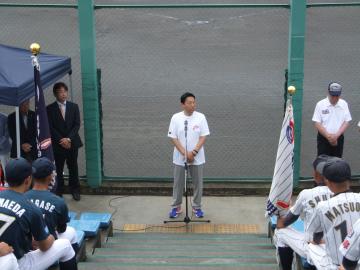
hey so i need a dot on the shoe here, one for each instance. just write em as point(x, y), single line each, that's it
point(174, 213)
point(198, 212)
point(75, 195)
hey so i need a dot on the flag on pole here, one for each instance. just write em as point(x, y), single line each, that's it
point(43, 137)
point(282, 182)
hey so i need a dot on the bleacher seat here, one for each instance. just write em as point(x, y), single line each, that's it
point(90, 227)
point(72, 215)
point(103, 218)
point(297, 225)
point(80, 236)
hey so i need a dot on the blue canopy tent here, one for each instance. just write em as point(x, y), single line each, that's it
point(17, 76)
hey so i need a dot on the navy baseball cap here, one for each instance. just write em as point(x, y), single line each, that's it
point(43, 167)
point(334, 89)
point(337, 171)
point(17, 170)
point(320, 162)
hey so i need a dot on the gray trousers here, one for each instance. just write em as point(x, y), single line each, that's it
point(196, 173)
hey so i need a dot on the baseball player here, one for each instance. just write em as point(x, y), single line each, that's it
point(288, 239)
point(53, 207)
point(350, 248)
point(334, 218)
point(22, 225)
point(7, 258)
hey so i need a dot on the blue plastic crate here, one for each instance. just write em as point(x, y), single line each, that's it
point(90, 227)
point(103, 218)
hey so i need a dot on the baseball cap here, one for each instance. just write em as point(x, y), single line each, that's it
point(337, 171)
point(43, 167)
point(17, 170)
point(334, 89)
point(320, 162)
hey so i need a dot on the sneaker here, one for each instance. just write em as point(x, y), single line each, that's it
point(198, 213)
point(174, 213)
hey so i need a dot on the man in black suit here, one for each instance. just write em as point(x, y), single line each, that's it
point(64, 122)
point(27, 132)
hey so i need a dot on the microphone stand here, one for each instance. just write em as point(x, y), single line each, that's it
point(187, 219)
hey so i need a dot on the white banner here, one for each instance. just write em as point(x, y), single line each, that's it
point(282, 182)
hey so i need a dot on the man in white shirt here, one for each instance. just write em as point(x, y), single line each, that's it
point(331, 117)
point(188, 130)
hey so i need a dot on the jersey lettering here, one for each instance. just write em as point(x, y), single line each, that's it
point(5, 222)
point(13, 206)
point(339, 209)
point(43, 205)
point(342, 228)
point(324, 197)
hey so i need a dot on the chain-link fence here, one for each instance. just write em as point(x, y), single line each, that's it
point(57, 32)
point(331, 54)
point(232, 59)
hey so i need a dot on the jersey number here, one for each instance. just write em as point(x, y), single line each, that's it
point(5, 222)
point(343, 229)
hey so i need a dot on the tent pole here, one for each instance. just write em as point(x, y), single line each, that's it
point(71, 88)
point(17, 114)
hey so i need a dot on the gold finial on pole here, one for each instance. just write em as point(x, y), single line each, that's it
point(291, 90)
point(35, 48)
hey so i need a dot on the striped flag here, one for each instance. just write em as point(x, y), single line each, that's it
point(43, 137)
point(282, 182)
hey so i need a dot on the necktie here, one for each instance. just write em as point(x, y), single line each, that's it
point(62, 110)
point(25, 121)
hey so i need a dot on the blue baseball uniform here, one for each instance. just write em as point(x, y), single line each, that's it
point(53, 207)
point(19, 222)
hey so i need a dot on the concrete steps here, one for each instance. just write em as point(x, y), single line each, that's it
point(183, 251)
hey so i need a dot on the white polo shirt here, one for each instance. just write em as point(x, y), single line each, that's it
point(331, 116)
point(197, 126)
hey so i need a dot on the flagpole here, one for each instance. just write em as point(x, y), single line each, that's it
point(291, 92)
point(17, 120)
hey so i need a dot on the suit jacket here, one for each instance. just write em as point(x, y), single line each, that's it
point(4, 135)
point(27, 135)
point(68, 128)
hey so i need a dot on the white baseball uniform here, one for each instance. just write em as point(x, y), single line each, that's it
point(61, 250)
point(335, 218)
point(69, 234)
point(9, 262)
point(350, 248)
point(304, 207)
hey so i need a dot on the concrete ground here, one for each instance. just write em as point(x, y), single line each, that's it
point(154, 209)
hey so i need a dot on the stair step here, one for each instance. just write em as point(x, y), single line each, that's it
point(176, 266)
point(186, 235)
point(177, 239)
point(181, 246)
point(184, 252)
point(170, 259)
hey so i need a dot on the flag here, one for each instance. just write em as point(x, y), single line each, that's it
point(282, 182)
point(2, 175)
point(43, 137)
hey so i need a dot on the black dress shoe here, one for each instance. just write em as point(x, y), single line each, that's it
point(76, 195)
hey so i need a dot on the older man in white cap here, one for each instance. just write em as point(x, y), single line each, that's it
point(331, 117)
